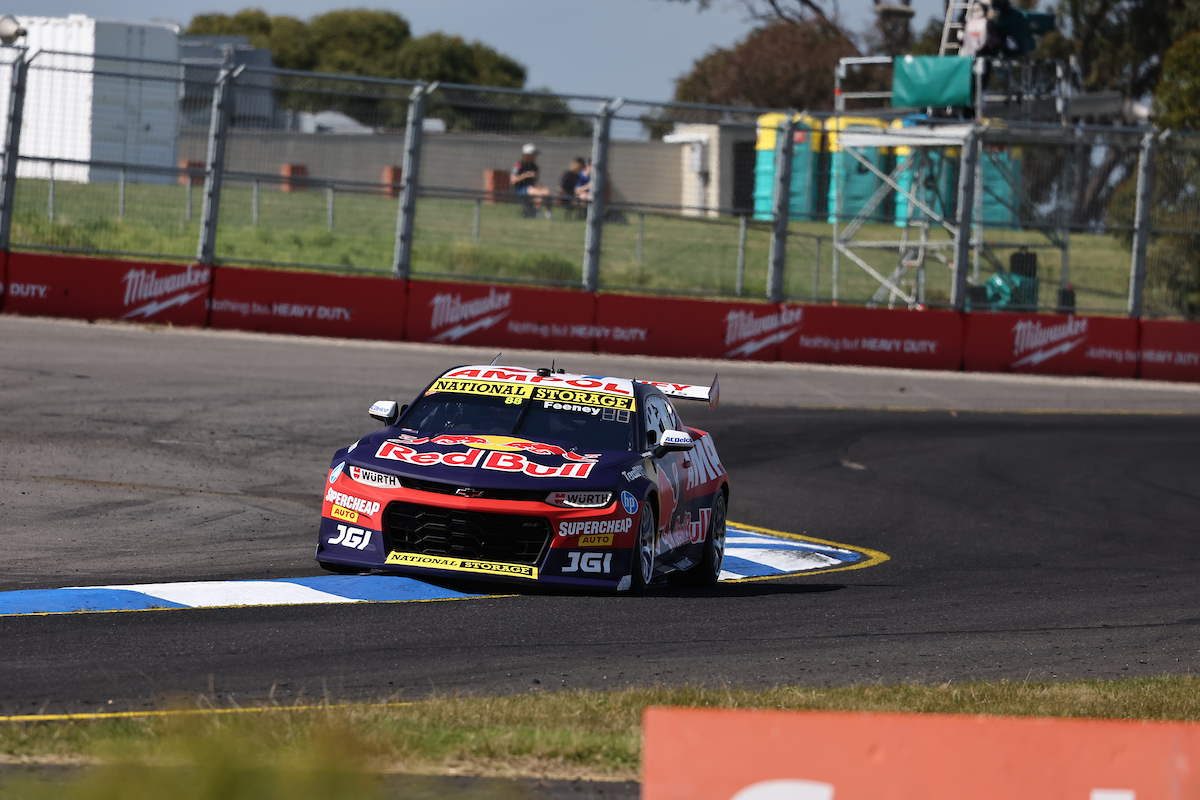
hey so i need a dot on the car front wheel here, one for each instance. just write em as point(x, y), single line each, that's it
point(642, 568)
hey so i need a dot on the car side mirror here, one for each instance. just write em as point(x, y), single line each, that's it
point(386, 411)
point(674, 442)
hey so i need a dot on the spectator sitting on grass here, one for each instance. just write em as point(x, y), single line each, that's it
point(525, 178)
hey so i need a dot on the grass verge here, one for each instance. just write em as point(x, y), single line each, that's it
point(334, 752)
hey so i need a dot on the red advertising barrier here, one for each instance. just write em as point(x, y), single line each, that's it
point(96, 288)
point(3, 278)
point(725, 754)
point(1170, 351)
point(275, 301)
point(500, 316)
point(685, 328)
point(875, 337)
point(1050, 344)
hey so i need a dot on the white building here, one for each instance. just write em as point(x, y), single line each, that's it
point(95, 95)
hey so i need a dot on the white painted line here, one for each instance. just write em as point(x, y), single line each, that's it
point(207, 594)
point(786, 560)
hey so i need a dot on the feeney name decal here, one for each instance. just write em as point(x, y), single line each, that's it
point(461, 565)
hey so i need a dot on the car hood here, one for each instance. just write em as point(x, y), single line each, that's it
point(488, 461)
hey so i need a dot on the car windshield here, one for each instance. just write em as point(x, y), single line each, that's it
point(586, 427)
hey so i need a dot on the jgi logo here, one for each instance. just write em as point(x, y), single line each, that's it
point(588, 562)
point(349, 536)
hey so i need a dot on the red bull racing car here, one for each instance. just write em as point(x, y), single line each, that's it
point(531, 475)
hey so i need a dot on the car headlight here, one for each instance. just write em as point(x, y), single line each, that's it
point(579, 499)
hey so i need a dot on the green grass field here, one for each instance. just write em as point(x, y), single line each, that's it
point(334, 752)
point(678, 254)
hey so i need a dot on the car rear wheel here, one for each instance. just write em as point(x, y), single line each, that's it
point(708, 571)
point(642, 569)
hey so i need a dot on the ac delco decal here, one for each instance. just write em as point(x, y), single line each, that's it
point(594, 526)
point(499, 461)
point(461, 565)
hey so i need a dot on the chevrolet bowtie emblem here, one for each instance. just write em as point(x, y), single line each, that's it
point(469, 492)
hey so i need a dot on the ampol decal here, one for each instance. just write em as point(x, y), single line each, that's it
point(92, 288)
point(453, 313)
point(1057, 344)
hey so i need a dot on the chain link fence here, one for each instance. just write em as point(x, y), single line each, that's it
point(247, 165)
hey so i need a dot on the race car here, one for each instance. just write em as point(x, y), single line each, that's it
point(530, 476)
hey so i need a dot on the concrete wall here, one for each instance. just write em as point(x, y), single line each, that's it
point(640, 172)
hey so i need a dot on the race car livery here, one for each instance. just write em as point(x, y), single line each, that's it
point(531, 475)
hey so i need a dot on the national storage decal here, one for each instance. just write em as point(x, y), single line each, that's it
point(396, 558)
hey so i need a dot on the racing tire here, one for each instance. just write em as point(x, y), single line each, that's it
point(707, 573)
point(340, 569)
point(642, 569)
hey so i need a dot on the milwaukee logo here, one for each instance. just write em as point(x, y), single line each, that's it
point(763, 331)
point(1042, 343)
point(144, 286)
point(482, 312)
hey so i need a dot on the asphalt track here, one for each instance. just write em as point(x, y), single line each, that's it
point(1055, 542)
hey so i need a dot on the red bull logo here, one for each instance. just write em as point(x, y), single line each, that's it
point(505, 444)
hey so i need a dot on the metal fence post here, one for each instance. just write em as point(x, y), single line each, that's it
point(741, 260)
point(215, 168)
point(781, 208)
point(1141, 223)
point(12, 147)
point(406, 219)
point(966, 205)
point(121, 194)
point(50, 211)
point(595, 217)
point(329, 206)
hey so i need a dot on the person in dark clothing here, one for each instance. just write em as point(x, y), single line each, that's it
point(524, 179)
point(567, 184)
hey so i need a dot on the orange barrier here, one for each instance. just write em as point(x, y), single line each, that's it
point(722, 754)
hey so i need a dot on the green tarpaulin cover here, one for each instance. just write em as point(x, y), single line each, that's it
point(931, 81)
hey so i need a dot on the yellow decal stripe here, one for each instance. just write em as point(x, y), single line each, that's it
point(462, 565)
point(488, 388)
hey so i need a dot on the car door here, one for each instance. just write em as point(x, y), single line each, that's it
point(675, 516)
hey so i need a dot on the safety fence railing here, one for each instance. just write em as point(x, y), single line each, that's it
point(203, 161)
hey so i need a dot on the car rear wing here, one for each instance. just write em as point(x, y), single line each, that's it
point(683, 391)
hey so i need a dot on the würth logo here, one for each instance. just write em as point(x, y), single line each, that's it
point(473, 315)
point(1044, 342)
point(142, 285)
point(762, 331)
